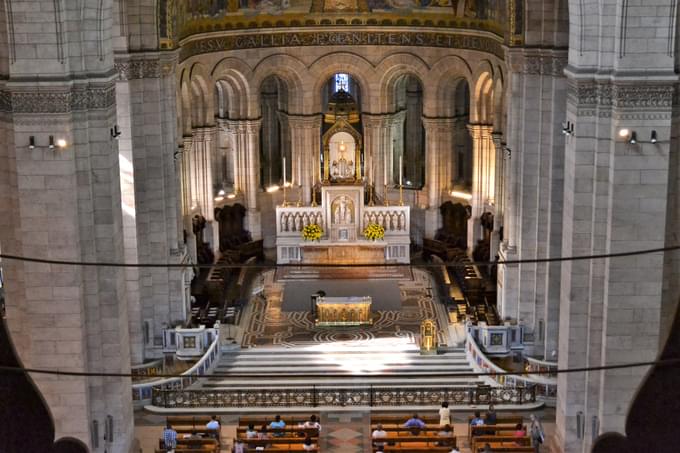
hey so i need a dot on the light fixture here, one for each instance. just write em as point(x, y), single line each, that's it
point(565, 128)
point(221, 193)
point(623, 133)
point(61, 143)
point(218, 199)
point(633, 138)
point(51, 145)
point(273, 188)
point(462, 195)
point(653, 139)
point(231, 196)
point(31, 142)
point(115, 132)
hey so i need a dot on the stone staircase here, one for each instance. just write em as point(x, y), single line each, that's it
point(331, 365)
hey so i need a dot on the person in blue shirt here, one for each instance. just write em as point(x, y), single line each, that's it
point(169, 438)
point(277, 424)
point(477, 420)
point(415, 423)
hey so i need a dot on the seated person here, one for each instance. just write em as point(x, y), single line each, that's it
point(250, 432)
point(263, 433)
point(487, 448)
point(308, 444)
point(214, 426)
point(312, 423)
point(477, 420)
point(238, 447)
point(378, 433)
point(277, 424)
point(416, 423)
point(519, 431)
point(454, 450)
point(195, 436)
point(446, 432)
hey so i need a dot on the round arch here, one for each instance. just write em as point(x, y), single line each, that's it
point(287, 68)
point(357, 67)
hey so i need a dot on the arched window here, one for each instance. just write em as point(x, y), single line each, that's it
point(342, 82)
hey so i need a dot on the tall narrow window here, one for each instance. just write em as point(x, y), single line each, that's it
point(342, 82)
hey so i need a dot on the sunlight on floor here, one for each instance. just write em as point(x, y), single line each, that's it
point(375, 355)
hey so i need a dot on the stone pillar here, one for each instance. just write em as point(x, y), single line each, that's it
point(145, 91)
point(305, 134)
point(616, 195)
point(499, 184)
point(437, 144)
point(203, 150)
point(532, 211)
point(65, 204)
point(378, 149)
point(246, 135)
point(483, 178)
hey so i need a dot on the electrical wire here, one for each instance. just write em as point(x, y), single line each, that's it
point(662, 362)
point(218, 265)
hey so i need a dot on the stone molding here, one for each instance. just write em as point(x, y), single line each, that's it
point(588, 96)
point(244, 126)
point(441, 125)
point(303, 121)
point(549, 62)
point(151, 66)
point(73, 100)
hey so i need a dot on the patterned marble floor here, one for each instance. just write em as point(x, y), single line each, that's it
point(269, 325)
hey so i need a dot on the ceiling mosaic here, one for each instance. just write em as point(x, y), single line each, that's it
point(182, 18)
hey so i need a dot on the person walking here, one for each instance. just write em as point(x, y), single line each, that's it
point(537, 434)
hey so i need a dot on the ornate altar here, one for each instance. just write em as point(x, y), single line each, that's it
point(343, 311)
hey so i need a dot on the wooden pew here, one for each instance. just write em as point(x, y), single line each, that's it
point(259, 420)
point(278, 444)
point(288, 431)
point(492, 430)
point(194, 421)
point(195, 445)
point(505, 441)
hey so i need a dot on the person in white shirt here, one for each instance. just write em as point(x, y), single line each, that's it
point(308, 444)
point(379, 433)
point(312, 423)
point(455, 450)
point(214, 426)
point(444, 414)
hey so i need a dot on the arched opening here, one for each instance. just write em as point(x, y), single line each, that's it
point(461, 162)
point(408, 143)
point(340, 81)
point(274, 135)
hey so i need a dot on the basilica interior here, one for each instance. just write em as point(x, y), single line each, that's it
point(354, 209)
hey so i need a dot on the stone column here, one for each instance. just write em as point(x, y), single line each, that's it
point(203, 150)
point(437, 144)
point(246, 135)
point(483, 178)
point(377, 150)
point(305, 134)
point(616, 195)
point(499, 183)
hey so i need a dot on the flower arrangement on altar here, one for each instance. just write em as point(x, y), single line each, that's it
point(373, 231)
point(312, 232)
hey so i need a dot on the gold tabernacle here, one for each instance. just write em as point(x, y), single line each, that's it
point(343, 311)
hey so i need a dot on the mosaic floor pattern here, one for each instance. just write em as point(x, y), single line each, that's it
point(269, 325)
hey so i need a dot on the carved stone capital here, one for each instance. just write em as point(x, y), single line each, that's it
point(588, 95)
point(79, 98)
point(548, 62)
point(304, 121)
point(145, 66)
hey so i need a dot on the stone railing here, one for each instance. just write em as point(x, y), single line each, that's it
point(546, 368)
point(147, 370)
point(332, 396)
point(395, 219)
point(291, 220)
point(545, 388)
point(142, 393)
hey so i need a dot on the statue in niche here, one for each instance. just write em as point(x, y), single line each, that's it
point(290, 223)
point(342, 212)
point(298, 223)
point(283, 223)
point(342, 168)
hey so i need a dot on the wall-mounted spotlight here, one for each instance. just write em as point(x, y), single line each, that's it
point(51, 145)
point(653, 138)
point(31, 142)
point(624, 133)
point(568, 129)
point(633, 138)
point(115, 132)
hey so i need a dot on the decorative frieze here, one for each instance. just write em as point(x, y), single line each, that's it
point(588, 95)
point(76, 99)
point(339, 38)
point(549, 63)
